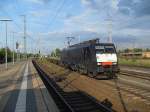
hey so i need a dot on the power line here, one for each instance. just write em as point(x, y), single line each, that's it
point(15, 23)
point(110, 31)
point(6, 20)
point(56, 14)
point(18, 26)
point(13, 47)
point(50, 24)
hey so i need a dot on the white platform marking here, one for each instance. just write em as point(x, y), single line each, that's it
point(21, 102)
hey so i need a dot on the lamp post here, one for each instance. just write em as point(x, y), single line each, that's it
point(13, 48)
point(25, 41)
point(6, 20)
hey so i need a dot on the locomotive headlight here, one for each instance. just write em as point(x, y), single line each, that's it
point(114, 63)
point(99, 63)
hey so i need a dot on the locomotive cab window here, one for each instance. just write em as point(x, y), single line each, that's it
point(109, 49)
point(99, 49)
point(105, 49)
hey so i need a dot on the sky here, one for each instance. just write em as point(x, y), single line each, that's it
point(49, 22)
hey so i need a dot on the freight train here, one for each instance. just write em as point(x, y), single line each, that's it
point(92, 58)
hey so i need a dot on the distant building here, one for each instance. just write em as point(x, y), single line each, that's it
point(136, 54)
point(146, 54)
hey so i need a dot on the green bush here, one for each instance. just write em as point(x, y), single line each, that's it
point(135, 62)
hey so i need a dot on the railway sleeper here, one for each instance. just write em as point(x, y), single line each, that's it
point(77, 105)
point(78, 101)
point(72, 98)
point(87, 109)
point(72, 95)
point(63, 104)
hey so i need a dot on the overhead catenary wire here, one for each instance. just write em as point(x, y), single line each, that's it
point(56, 14)
point(50, 23)
point(15, 23)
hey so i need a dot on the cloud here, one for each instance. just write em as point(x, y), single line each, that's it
point(57, 39)
point(101, 6)
point(89, 3)
point(136, 7)
point(127, 28)
point(39, 1)
point(130, 20)
point(140, 22)
point(68, 15)
point(39, 13)
point(124, 39)
point(128, 7)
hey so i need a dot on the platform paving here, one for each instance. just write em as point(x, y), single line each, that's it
point(29, 93)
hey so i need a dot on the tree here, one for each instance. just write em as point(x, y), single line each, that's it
point(2, 55)
point(137, 50)
point(56, 53)
point(127, 50)
point(9, 55)
point(147, 50)
point(53, 54)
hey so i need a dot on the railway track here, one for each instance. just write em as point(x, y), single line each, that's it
point(70, 101)
point(140, 92)
point(135, 74)
point(136, 91)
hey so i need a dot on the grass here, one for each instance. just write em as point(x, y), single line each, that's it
point(135, 62)
point(53, 67)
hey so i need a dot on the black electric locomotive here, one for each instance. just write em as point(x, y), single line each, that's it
point(91, 57)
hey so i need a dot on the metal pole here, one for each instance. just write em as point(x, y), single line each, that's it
point(25, 50)
point(25, 37)
point(13, 49)
point(25, 55)
point(5, 20)
point(6, 47)
point(79, 38)
point(110, 31)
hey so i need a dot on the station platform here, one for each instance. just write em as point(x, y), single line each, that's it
point(22, 90)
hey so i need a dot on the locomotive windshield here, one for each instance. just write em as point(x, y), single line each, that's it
point(109, 49)
point(105, 49)
point(100, 49)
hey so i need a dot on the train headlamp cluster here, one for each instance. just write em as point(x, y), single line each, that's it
point(100, 63)
point(114, 63)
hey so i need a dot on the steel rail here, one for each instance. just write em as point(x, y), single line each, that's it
point(67, 99)
point(136, 74)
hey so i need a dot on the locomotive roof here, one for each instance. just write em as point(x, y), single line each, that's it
point(86, 45)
